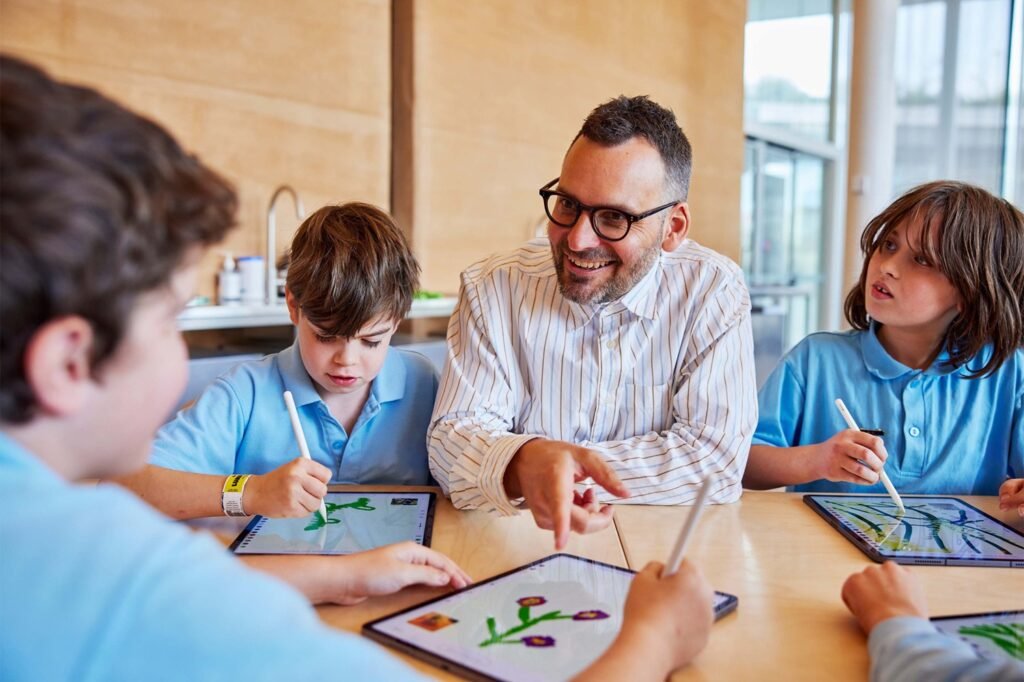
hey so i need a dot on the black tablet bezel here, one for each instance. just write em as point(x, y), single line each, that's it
point(878, 556)
point(428, 528)
point(728, 606)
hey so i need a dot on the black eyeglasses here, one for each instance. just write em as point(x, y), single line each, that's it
point(610, 224)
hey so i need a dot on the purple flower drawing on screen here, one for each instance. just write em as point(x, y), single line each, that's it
point(527, 621)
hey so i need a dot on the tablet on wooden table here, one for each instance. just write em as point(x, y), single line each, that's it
point(934, 530)
point(547, 620)
point(355, 522)
point(994, 635)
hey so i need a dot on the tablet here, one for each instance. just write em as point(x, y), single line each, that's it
point(992, 635)
point(935, 530)
point(355, 522)
point(544, 621)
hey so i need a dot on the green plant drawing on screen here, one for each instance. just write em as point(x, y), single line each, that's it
point(1007, 636)
point(514, 634)
point(362, 504)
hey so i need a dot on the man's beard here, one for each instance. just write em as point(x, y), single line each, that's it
point(583, 292)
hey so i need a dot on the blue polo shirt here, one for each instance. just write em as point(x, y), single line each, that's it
point(240, 423)
point(96, 585)
point(945, 433)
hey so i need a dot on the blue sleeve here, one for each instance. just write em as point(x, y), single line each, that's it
point(205, 437)
point(780, 403)
point(910, 649)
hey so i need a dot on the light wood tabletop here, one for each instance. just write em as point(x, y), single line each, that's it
point(783, 561)
point(787, 565)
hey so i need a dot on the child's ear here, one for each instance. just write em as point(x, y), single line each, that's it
point(57, 365)
point(293, 308)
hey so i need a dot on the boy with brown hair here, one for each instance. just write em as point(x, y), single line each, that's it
point(363, 405)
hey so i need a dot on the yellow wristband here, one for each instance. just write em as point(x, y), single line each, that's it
point(231, 495)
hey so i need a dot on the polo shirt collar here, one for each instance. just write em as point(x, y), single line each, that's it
point(294, 376)
point(884, 366)
point(390, 382)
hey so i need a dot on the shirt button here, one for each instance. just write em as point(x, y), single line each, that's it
point(915, 383)
point(338, 444)
point(612, 345)
point(914, 431)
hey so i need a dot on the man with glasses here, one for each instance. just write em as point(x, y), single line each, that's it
point(615, 350)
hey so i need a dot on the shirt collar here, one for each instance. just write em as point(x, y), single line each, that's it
point(295, 377)
point(640, 300)
point(884, 366)
point(389, 384)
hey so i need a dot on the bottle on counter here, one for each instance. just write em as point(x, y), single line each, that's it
point(229, 282)
point(253, 276)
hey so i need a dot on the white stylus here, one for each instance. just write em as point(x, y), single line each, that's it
point(300, 437)
point(889, 487)
point(676, 557)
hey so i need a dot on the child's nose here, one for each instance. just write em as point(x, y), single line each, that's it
point(346, 354)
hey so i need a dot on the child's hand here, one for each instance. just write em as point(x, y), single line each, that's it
point(293, 489)
point(670, 616)
point(882, 592)
point(389, 569)
point(1011, 494)
point(851, 456)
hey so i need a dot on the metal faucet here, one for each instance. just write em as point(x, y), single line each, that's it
point(300, 213)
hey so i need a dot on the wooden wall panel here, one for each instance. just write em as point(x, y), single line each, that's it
point(265, 92)
point(499, 89)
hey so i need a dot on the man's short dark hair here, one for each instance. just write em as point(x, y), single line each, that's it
point(350, 264)
point(623, 118)
point(98, 205)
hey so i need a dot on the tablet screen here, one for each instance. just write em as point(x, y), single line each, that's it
point(355, 522)
point(544, 621)
point(992, 635)
point(934, 530)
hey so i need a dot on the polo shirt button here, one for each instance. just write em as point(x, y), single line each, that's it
point(914, 431)
point(338, 444)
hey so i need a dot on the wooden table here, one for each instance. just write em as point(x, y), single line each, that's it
point(783, 561)
point(787, 565)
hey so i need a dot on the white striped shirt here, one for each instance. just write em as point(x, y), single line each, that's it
point(660, 382)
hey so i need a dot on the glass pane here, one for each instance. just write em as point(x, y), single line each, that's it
point(776, 217)
point(950, 125)
point(1018, 196)
point(982, 55)
point(788, 88)
point(920, 31)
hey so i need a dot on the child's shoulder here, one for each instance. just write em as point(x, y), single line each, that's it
point(416, 364)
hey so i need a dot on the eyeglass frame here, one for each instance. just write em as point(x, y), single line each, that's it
point(631, 218)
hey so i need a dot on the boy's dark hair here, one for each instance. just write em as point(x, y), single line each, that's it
point(981, 252)
point(97, 206)
point(624, 118)
point(350, 264)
